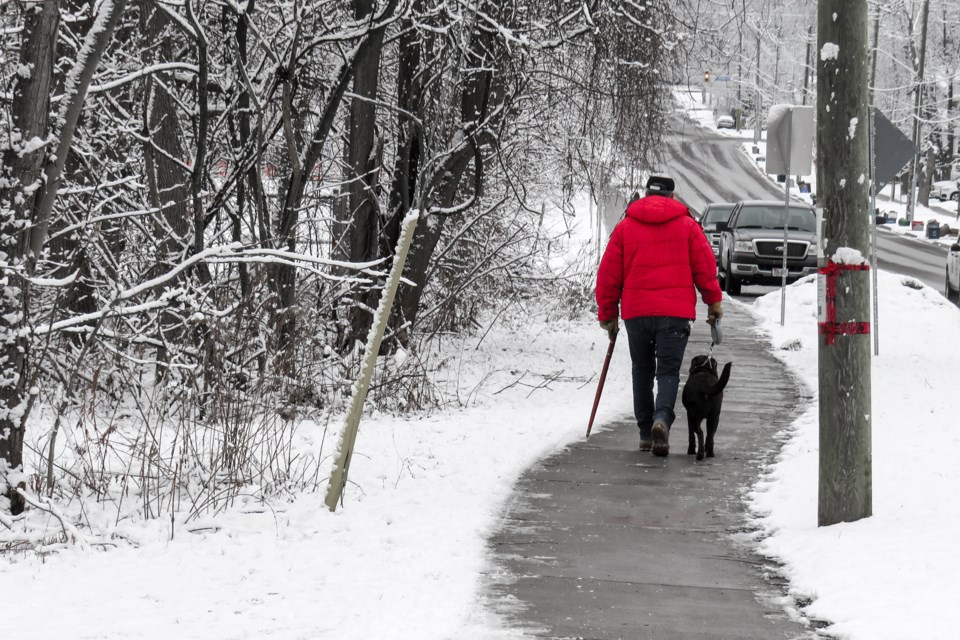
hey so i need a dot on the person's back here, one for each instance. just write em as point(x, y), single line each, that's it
point(657, 259)
point(654, 258)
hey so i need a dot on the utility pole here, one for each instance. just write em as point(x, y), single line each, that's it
point(775, 97)
point(912, 202)
point(873, 183)
point(806, 66)
point(743, 20)
point(876, 50)
point(845, 482)
point(757, 108)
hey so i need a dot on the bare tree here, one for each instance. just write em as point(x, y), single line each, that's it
point(22, 210)
point(186, 200)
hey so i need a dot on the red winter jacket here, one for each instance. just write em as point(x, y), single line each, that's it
point(656, 256)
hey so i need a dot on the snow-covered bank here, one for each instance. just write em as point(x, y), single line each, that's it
point(402, 557)
point(891, 576)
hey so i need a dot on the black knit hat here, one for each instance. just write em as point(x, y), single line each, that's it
point(660, 185)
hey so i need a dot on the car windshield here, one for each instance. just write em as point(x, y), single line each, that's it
point(767, 217)
point(715, 214)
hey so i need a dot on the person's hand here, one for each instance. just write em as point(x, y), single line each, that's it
point(611, 327)
point(714, 313)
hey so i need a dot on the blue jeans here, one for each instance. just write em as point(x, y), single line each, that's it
point(656, 349)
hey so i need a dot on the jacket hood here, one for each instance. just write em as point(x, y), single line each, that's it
point(656, 209)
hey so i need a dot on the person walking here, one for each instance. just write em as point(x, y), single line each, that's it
point(655, 262)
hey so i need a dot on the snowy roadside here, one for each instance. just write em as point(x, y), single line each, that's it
point(890, 576)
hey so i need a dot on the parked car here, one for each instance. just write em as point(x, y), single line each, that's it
point(751, 243)
point(726, 122)
point(953, 274)
point(945, 190)
point(712, 214)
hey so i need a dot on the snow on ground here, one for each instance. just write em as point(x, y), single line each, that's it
point(891, 576)
point(401, 559)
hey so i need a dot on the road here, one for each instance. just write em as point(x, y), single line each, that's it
point(924, 261)
point(709, 167)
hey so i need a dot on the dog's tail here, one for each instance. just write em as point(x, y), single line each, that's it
point(722, 382)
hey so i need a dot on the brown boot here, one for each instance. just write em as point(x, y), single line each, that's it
point(661, 438)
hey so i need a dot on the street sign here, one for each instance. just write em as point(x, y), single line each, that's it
point(789, 140)
point(892, 149)
point(723, 78)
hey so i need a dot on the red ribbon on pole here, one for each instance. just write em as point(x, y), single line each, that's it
point(831, 328)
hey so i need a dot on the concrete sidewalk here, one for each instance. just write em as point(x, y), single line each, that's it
point(601, 541)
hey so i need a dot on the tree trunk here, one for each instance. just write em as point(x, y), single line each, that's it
point(952, 150)
point(200, 132)
point(409, 96)
point(20, 209)
point(242, 117)
point(482, 93)
point(21, 170)
point(363, 169)
point(283, 279)
point(407, 165)
point(926, 183)
point(164, 158)
point(917, 105)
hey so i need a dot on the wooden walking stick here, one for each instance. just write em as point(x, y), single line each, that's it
point(603, 377)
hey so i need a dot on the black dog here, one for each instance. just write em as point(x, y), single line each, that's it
point(703, 398)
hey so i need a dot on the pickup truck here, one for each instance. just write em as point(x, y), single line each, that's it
point(953, 274)
point(751, 244)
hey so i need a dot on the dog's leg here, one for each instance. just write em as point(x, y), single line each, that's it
point(695, 429)
point(713, 421)
point(692, 426)
point(699, 442)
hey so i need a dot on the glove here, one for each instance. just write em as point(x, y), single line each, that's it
point(714, 313)
point(611, 327)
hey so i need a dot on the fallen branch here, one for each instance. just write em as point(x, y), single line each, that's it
point(45, 505)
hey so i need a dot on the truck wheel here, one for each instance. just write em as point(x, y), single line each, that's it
point(732, 284)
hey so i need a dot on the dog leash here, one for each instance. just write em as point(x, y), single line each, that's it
point(716, 335)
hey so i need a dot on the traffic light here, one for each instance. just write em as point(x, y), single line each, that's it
point(706, 76)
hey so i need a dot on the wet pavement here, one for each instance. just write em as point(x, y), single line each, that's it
point(601, 541)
